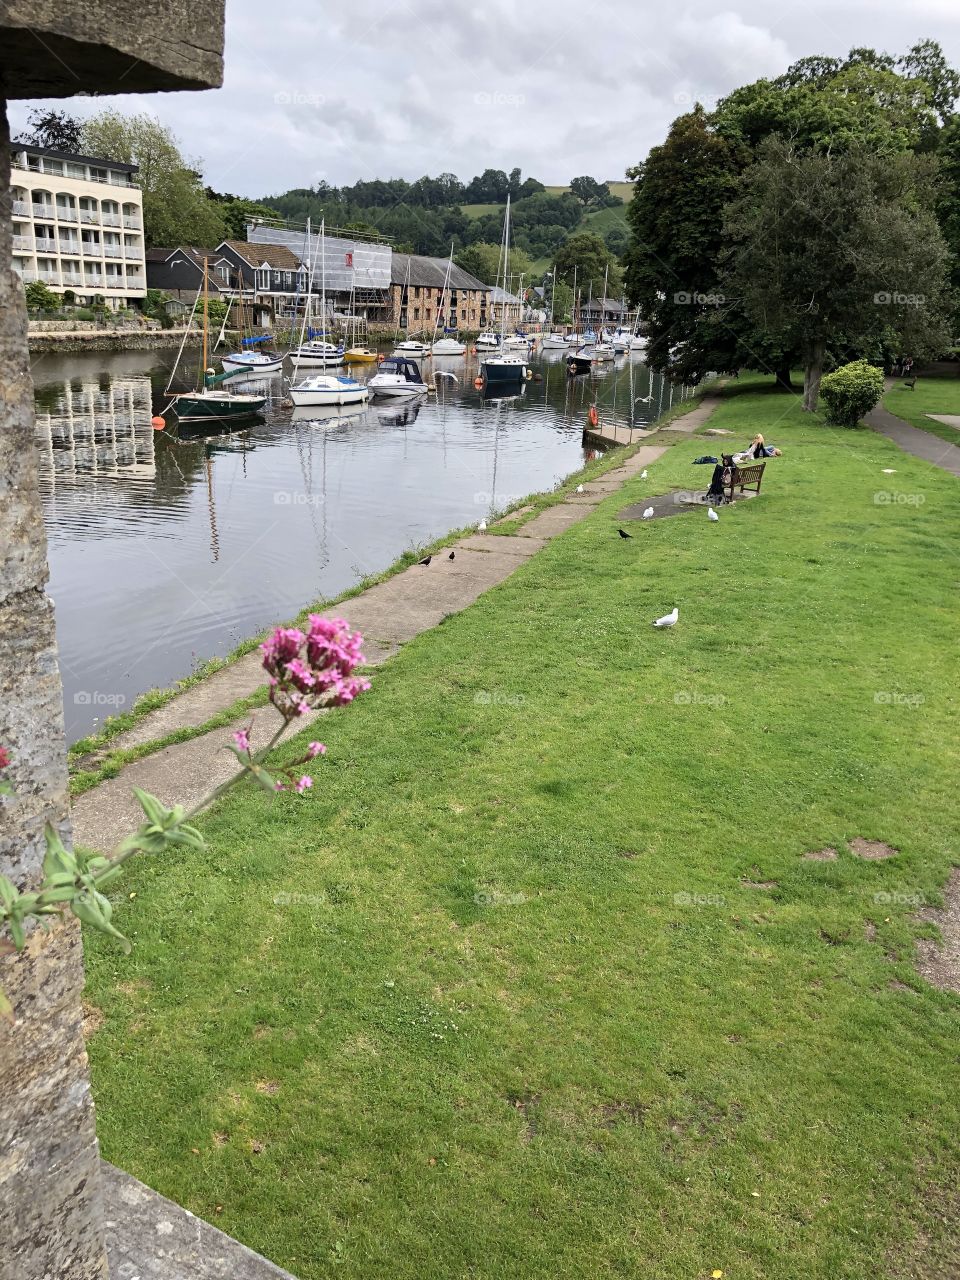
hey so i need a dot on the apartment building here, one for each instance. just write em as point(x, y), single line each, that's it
point(78, 225)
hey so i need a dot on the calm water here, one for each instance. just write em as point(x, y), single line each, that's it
point(167, 550)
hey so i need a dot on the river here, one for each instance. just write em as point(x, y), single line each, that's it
point(165, 551)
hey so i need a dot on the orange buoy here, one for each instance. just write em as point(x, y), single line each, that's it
point(593, 416)
point(158, 423)
point(478, 383)
point(473, 350)
point(380, 357)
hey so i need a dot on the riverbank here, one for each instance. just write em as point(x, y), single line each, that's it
point(224, 691)
point(576, 929)
point(110, 340)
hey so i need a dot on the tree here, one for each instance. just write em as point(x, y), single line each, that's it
point(593, 260)
point(40, 298)
point(55, 130)
point(237, 212)
point(482, 259)
point(491, 187)
point(176, 209)
point(838, 250)
point(589, 191)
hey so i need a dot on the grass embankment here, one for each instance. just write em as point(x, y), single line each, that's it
point(521, 1015)
point(931, 394)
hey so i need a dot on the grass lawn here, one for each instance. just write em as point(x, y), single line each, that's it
point(932, 394)
point(495, 1001)
point(602, 220)
point(480, 210)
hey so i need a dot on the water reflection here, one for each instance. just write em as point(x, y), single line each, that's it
point(167, 547)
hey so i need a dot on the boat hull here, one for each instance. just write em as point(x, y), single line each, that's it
point(201, 408)
point(578, 364)
point(258, 367)
point(502, 373)
point(322, 395)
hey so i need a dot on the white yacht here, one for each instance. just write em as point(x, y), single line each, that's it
point(329, 389)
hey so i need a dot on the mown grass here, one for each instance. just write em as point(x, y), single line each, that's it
point(931, 394)
point(521, 1016)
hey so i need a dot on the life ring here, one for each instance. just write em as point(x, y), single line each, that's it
point(478, 383)
point(380, 357)
point(593, 416)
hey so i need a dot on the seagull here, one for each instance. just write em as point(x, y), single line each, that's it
point(623, 533)
point(648, 514)
point(482, 526)
point(669, 619)
point(452, 555)
point(643, 474)
point(644, 399)
point(579, 488)
point(711, 514)
point(889, 471)
point(425, 561)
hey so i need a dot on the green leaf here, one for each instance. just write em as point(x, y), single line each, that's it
point(8, 893)
point(265, 780)
point(58, 859)
point(151, 806)
point(94, 910)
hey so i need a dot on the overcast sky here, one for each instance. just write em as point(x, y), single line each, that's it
point(398, 88)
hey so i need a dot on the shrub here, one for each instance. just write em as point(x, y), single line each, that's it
point(40, 298)
point(69, 298)
point(850, 392)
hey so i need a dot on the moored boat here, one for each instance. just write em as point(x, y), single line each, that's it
point(328, 389)
point(448, 347)
point(487, 341)
point(397, 376)
point(360, 355)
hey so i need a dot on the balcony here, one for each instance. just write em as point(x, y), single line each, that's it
point(20, 207)
point(69, 249)
point(91, 248)
point(43, 211)
point(132, 251)
point(110, 219)
point(112, 251)
point(92, 282)
point(70, 278)
point(89, 215)
point(66, 215)
point(46, 246)
point(23, 244)
point(131, 224)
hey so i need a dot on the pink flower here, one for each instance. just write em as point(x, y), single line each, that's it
point(316, 749)
point(283, 645)
point(241, 739)
point(299, 675)
point(303, 784)
point(5, 757)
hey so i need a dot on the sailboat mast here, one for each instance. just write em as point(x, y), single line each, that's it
point(206, 315)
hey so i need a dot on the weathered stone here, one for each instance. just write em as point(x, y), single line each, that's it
point(49, 1164)
point(58, 48)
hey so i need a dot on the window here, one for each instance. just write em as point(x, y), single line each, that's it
point(416, 311)
point(416, 291)
point(263, 278)
point(463, 314)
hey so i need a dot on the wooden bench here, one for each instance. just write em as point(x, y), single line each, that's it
point(744, 478)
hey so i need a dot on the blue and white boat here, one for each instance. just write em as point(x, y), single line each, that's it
point(504, 368)
point(259, 362)
point(396, 377)
point(329, 389)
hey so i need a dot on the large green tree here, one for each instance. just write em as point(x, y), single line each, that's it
point(176, 208)
point(889, 105)
point(838, 250)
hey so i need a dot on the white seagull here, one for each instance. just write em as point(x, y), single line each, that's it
point(482, 526)
point(579, 488)
point(648, 514)
point(643, 475)
point(669, 619)
point(711, 514)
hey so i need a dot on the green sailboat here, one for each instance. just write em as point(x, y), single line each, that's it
point(210, 403)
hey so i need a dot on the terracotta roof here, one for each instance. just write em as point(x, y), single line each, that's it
point(274, 255)
point(430, 272)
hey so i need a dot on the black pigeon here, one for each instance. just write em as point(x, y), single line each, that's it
point(623, 533)
point(426, 560)
point(452, 555)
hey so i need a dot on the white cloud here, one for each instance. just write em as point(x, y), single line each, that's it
point(403, 87)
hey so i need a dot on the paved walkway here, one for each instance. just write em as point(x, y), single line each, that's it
point(922, 444)
point(389, 614)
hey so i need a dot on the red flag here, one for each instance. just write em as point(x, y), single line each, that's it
point(349, 257)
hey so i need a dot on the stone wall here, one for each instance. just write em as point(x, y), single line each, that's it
point(49, 1172)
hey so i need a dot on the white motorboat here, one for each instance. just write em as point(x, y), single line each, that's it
point(554, 342)
point(517, 342)
point(486, 341)
point(575, 339)
point(410, 347)
point(602, 351)
point(397, 376)
point(448, 347)
point(317, 355)
point(329, 389)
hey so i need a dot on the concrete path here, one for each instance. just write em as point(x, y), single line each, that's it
point(389, 614)
point(606, 435)
point(922, 444)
